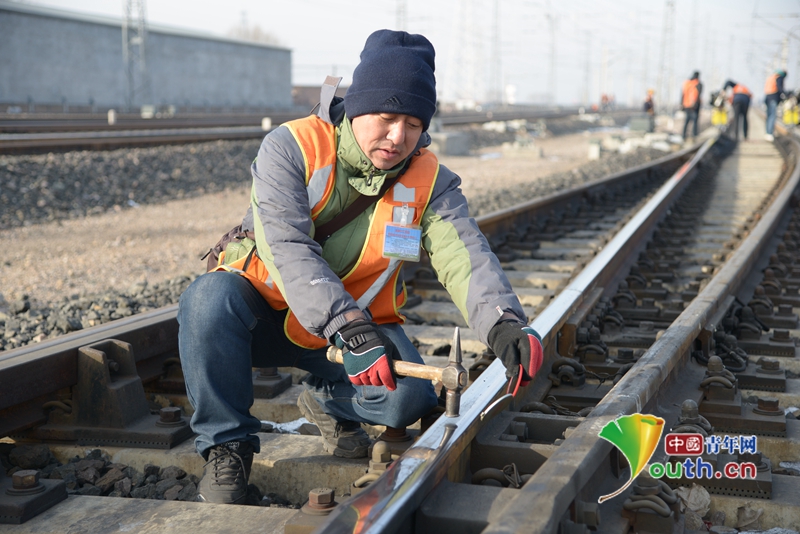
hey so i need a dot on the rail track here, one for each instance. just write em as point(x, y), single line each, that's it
point(633, 281)
point(32, 135)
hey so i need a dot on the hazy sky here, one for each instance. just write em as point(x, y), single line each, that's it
point(612, 46)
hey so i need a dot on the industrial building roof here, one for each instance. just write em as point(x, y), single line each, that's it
point(32, 9)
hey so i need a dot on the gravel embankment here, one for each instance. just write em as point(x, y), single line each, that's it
point(55, 187)
point(497, 199)
point(51, 187)
point(97, 474)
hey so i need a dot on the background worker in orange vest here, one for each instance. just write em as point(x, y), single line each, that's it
point(773, 91)
point(690, 102)
point(740, 100)
point(340, 200)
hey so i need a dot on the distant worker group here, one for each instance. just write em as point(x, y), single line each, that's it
point(738, 97)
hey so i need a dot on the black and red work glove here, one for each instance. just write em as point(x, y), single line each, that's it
point(367, 354)
point(520, 348)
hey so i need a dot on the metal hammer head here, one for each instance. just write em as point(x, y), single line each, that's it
point(454, 377)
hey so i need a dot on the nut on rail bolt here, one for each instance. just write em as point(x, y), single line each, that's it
point(320, 501)
point(25, 479)
point(170, 416)
point(25, 482)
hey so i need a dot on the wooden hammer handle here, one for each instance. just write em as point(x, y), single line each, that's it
point(400, 367)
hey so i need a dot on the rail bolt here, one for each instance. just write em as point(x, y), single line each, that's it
point(780, 335)
point(769, 364)
point(381, 457)
point(675, 304)
point(753, 457)
point(170, 414)
point(268, 373)
point(625, 354)
point(381, 452)
point(715, 364)
point(689, 411)
point(25, 479)
point(768, 406)
point(321, 498)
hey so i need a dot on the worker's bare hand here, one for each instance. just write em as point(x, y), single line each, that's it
point(366, 353)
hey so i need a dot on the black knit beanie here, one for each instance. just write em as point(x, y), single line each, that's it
point(395, 76)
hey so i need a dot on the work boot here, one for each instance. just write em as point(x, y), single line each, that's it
point(226, 472)
point(345, 439)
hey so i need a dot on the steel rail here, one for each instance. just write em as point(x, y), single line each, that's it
point(129, 121)
point(97, 123)
point(153, 132)
point(546, 498)
point(390, 501)
point(500, 221)
point(126, 138)
point(34, 374)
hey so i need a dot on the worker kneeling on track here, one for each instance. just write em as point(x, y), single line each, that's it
point(340, 200)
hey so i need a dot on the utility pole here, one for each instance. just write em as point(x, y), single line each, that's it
point(496, 76)
point(551, 86)
point(691, 42)
point(134, 39)
point(666, 76)
point(604, 72)
point(588, 71)
point(401, 15)
point(730, 55)
point(466, 56)
point(646, 65)
point(785, 53)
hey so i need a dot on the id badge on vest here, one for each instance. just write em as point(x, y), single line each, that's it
point(401, 239)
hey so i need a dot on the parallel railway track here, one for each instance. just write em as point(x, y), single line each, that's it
point(43, 135)
point(627, 280)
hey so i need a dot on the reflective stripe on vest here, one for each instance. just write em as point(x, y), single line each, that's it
point(771, 87)
point(373, 280)
point(690, 93)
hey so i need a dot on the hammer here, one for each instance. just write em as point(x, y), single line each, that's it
point(453, 377)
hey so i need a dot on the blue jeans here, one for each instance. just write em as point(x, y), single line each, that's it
point(227, 328)
point(772, 107)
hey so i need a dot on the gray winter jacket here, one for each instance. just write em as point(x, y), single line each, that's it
point(308, 275)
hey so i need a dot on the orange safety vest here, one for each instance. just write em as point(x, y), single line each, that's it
point(740, 89)
point(771, 87)
point(690, 93)
point(373, 279)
